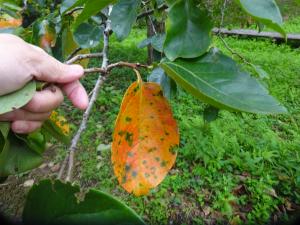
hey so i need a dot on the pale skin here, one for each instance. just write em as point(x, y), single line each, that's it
point(21, 62)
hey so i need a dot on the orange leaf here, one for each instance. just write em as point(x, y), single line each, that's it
point(144, 138)
point(60, 122)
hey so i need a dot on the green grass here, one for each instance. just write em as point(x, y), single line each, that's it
point(241, 168)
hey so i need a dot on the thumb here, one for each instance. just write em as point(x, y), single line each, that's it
point(51, 70)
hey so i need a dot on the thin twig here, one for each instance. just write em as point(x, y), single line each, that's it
point(223, 9)
point(73, 53)
point(74, 10)
point(101, 79)
point(84, 56)
point(151, 11)
point(114, 65)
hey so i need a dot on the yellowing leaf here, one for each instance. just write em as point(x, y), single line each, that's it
point(10, 23)
point(60, 122)
point(69, 46)
point(145, 138)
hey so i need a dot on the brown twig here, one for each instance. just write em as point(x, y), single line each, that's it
point(114, 65)
point(151, 11)
point(74, 10)
point(73, 53)
point(84, 56)
point(86, 114)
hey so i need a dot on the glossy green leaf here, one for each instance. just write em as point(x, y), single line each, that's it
point(123, 16)
point(17, 157)
point(156, 41)
point(188, 31)
point(91, 7)
point(217, 80)
point(168, 86)
point(87, 35)
point(265, 12)
point(18, 98)
point(53, 202)
point(66, 5)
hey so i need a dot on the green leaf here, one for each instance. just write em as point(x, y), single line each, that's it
point(217, 80)
point(4, 129)
point(17, 157)
point(264, 11)
point(87, 35)
point(91, 8)
point(50, 129)
point(188, 31)
point(36, 141)
point(210, 114)
point(123, 16)
point(168, 86)
point(157, 42)
point(66, 5)
point(18, 98)
point(53, 202)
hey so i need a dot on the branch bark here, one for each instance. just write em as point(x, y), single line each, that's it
point(102, 77)
point(84, 56)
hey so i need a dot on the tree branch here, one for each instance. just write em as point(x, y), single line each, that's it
point(74, 10)
point(86, 114)
point(84, 56)
point(151, 11)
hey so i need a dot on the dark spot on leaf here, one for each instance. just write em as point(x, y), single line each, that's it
point(130, 154)
point(124, 179)
point(151, 103)
point(152, 149)
point(147, 175)
point(162, 139)
point(163, 163)
point(142, 138)
point(167, 133)
point(160, 93)
point(157, 159)
point(136, 89)
point(121, 132)
point(127, 167)
point(144, 162)
point(134, 174)
point(173, 149)
point(152, 117)
point(119, 142)
point(129, 138)
point(128, 119)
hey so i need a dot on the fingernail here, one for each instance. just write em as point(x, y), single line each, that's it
point(76, 70)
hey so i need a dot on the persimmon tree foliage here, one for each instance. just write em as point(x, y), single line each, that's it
point(146, 134)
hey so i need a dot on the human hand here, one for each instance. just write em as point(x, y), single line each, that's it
point(21, 62)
